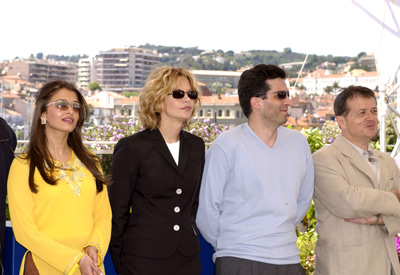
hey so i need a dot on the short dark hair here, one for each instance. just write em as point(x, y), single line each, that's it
point(340, 106)
point(252, 83)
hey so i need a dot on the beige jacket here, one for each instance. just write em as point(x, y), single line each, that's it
point(346, 187)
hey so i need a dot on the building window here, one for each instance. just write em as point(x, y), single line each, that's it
point(228, 113)
point(122, 112)
point(201, 112)
point(219, 113)
point(237, 114)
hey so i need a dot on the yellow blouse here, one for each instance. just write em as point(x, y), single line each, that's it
point(59, 221)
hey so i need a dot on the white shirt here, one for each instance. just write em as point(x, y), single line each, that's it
point(174, 149)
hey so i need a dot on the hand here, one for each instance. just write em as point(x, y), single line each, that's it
point(368, 221)
point(88, 267)
point(92, 253)
point(396, 193)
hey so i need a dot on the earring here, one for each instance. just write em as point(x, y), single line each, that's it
point(43, 120)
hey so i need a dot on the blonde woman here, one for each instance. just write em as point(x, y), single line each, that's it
point(156, 177)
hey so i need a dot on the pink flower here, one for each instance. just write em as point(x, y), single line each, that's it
point(398, 244)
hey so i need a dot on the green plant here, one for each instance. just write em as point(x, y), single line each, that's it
point(105, 162)
point(314, 138)
point(390, 134)
point(306, 243)
point(307, 240)
point(329, 131)
point(312, 221)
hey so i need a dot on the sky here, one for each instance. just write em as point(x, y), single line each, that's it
point(322, 27)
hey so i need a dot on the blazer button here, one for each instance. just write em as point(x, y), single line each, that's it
point(179, 191)
point(177, 209)
point(176, 227)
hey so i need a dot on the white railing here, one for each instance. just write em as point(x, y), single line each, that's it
point(20, 149)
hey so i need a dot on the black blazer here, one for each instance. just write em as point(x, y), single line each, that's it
point(154, 202)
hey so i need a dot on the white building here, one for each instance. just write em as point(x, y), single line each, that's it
point(123, 68)
point(317, 81)
point(102, 107)
point(224, 110)
point(86, 72)
point(210, 77)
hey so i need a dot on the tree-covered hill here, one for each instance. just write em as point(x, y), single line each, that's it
point(194, 58)
point(198, 59)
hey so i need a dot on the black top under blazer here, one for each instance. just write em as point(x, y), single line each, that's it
point(154, 202)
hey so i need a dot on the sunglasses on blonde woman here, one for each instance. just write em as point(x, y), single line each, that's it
point(181, 94)
point(64, 105)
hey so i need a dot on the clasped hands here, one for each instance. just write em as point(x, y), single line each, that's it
point(88, 263)
point(377, 220)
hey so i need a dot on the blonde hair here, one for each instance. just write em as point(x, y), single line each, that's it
point(160, 83)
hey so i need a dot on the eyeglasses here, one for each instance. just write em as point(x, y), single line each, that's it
point(281, 94)
point(181, 94)
point(64, 105)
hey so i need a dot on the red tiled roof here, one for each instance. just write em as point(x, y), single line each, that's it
point(214, 99)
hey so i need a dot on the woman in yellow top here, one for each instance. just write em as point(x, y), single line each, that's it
point(57, 195)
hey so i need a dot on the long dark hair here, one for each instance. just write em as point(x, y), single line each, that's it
point(38, 153)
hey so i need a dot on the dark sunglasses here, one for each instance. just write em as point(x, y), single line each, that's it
point(181, 94)
point(64, 105)
point(281, 94)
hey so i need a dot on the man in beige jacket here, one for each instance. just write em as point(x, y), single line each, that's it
point(356, 194)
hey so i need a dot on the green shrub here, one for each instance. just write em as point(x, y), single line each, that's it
point(306, 243)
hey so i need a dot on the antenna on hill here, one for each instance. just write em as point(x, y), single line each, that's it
point(385, 13)
point(301, 70)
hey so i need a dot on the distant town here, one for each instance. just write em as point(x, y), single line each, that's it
point(112, 80)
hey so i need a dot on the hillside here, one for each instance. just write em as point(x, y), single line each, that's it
point(199, 59)
point(194, 58)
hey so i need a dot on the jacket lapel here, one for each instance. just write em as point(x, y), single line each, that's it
point(347, 149)
point(184, 151)
point(161, 147)
point(384, 172)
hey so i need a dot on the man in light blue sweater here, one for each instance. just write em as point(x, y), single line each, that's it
point(257, 184)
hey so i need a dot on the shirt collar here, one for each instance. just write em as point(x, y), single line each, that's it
point(359, 150)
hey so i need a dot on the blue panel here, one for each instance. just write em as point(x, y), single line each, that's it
point(14, 252)
point(207, 265)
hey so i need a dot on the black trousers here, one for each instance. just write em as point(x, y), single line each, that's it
point(238, 266)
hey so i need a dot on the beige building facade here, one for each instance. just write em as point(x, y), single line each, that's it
point(41, 71)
